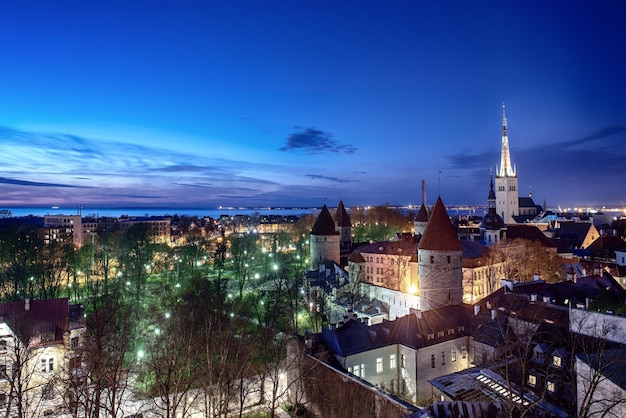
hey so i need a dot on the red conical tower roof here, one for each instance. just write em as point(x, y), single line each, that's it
point(341, 216)
point(440, 234)
point(324, 225)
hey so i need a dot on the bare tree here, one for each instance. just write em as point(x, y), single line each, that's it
point(599, 362)
point(100, 365)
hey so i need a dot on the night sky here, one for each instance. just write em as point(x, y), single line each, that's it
point(298, 103)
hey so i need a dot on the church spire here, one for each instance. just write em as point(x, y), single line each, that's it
point(491, 199)
point(506, 168)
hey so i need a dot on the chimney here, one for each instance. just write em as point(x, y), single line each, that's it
point(27, 304)
point(423, 192)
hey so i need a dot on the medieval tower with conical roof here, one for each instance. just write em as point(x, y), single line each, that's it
point(344, 226)
point(440, 262)
point(324, 240)
point(507, 196)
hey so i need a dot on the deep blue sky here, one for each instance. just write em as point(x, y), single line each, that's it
point(283, 103)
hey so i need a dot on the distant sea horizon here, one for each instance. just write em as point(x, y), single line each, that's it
point(215, 212)
point(116, 212)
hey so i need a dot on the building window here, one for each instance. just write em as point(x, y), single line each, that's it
point(44, 365)
point(392, 361)
point(3, 400)
point(453, 354)
point(357, 370)
point(556, 361)
point(363, 370)
point(50, 365)
point(3, 346)
point(463, 351)
point(432, 259)
point(431, 336)
point(402, 361)
point(432, 361)
point(532, 380)
point(440, 333)
point(551, 387)
point(539, 356)
point(379, 365)
point(443, 358)
point(448, 259)
point(47, 391)
point(451, 331)
point(74, 343)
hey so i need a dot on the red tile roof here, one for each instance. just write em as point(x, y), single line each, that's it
point(45, 314)
point(341, 216)
point(440, 234)
point(324, 225)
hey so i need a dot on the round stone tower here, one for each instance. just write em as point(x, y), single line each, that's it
point(440, 262)
point(324, 240)
point(344, 226)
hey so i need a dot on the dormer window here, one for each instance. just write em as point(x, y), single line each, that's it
point(431, 336)
point(556, 361)
point(440, 334)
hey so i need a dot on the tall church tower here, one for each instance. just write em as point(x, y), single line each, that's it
point(440, 262)
point(507, 197)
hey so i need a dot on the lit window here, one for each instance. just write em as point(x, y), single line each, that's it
point(556, 361)
point(379, 365)
point(363, 370)
point(551, 387)
point(392, 361)
point(453, 354)
point(532, 380)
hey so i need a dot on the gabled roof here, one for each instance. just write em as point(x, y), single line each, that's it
point(529, 232)
point(411, 330)
point(324, 225)
point(356, 257)
point(341, 216)
point(440, 234)
point(526, 202)
point(50, 314)
point(576, 231)
point(608, 242)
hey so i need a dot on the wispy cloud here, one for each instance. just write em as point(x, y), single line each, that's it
point(5, 180)
point(123, 171)
point(335, 179)
point(315, 141)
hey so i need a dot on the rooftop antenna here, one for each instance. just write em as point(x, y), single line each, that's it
point(439, 182)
